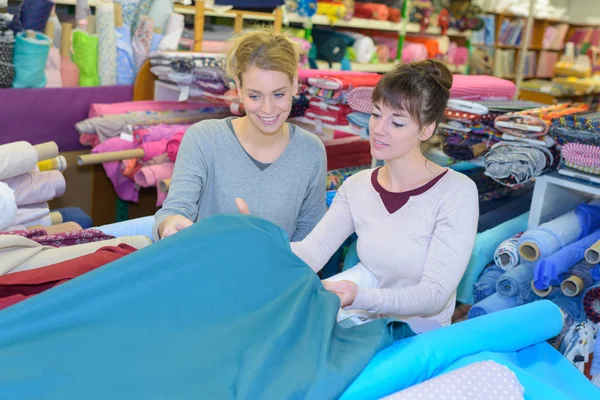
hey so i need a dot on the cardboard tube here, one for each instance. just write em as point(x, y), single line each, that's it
point(572, 286)
point(59, 228)
point(65, 41)
point(59, 163)
point(164, 185)
point(91, 24)
point(30, 33)
point(541, 293)
point(529, 251)
point(90, 159)
point(46, 150)
point(118, 15)
point(49, 30)
point(592, 255)
point(56, 218)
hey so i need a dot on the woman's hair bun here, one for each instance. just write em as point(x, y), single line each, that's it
point(438, 72)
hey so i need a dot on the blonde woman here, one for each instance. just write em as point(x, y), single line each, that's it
point(278, 168)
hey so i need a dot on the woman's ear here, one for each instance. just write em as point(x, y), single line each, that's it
point(238, 86)
point(295, 86)
point(427, 132)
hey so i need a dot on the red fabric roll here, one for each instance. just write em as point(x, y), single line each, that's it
point(173, 145)
point(372, 11)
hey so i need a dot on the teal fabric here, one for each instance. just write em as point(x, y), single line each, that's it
point(427, 355)
point(221, 310)
point(543, 372)
point(486, 244)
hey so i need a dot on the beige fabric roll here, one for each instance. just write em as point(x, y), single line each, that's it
point(21, 254)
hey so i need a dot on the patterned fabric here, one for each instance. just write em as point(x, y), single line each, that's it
point(581, 154)
point(7, 45)
point(128, 10)
point(125, 63)
point(61, 239)
point(586, 122)
point(299, 105)
point(360, 99)
point(107, 44)
point(590, 300)
point(583, 168)
point(142, 40)
point(521, 125)
point(578, 344)
point(336, 177)
point(484, 380)
point(513, 163)
point(464, 149)
point(506, 255)
point(564, 135)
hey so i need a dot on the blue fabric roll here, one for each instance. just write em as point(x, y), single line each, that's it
point(424, 356)
point(570, 305)
point(486, 244)
point(125, 64)
point(30, 57)
point(492, 304)
point(74, 214)
point(549, 271)
point(486, 284)
point(33, 15)
point(517, 282)
point(583, 271)
point(133, 227)
point(329, 197)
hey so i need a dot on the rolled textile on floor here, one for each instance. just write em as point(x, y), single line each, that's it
point(546, 239)
point(31, 215)
point(592, 255)
point(507, 254)
point(85, 56)
point(17, 158)
point(8, 206)
point(37, 187)
point(591, 303)
point(492, 304)
point(76, 214)
point(133, 227)
point(486, 284)
point(517, 282)
point(30, 57)
point(549, 270)
point(107, 43)
point(579, 281)
point(417, 359)
point(486, 244)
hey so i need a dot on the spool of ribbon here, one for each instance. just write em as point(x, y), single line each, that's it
point(30, 56)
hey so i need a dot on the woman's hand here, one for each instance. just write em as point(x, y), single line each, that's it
point(173, 224)
point(345, 290)
point(242, 206)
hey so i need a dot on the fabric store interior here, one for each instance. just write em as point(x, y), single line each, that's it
point(140, 242)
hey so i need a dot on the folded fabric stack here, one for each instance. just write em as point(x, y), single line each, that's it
point(30, 176)
point(579, 136)
point(154, 128)
point(557, 261)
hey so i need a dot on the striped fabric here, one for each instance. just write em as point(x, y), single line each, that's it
point(582, 155)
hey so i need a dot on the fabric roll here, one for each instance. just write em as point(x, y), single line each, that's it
point(486, 284)
point(142, 41)
point(34, 14)
point(580, 279)
point(483, 380)
point(569, 305)
point(30, 57)
point(591, 303)
point(173, 145)
point(491, 304)
point(517, 283)
point(75, 214)
point(125, 64)
point(62, 239)
point(8, 206)
point(526, 126)
point(33, 214)
point(53, 76)
point(592, 254)
point(582, 155)
point(133, 227)
point(107, 43)
point(124, 187)
point(550, 270)
point(17, 158)
point(23, 254)
point(85, 56)
point(546, 239)
point(507, 254)
point(37, 187)
point(159, 132)
point(173, 33)
point(7, 69)
point(19, 286)
point(57, 30)
point(514, 163)
point(150, 176)
point(359, 99)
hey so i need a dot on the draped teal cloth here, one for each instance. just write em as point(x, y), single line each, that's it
point(221, 310)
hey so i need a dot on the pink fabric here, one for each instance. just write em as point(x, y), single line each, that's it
point(482, 87)
point(307, 73)
point(37, 187)
point(151, 176)
point(461, 57)
point(414, 52)
point(53, 77)
point(583, 155)
point(158, 132)
point(99, 109)
point(89, 139)
point(154, 149)
point(69, 73)
point(216, 46)
point(359, 99)
point(124, 187)
point(173, 145)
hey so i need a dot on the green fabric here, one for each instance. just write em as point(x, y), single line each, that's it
point(85, 56)
point(221, 310)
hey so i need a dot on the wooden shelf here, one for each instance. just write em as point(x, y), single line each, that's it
point(379, 68)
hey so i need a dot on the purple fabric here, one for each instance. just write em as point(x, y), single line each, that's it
point(124, 186)
point(50, 114)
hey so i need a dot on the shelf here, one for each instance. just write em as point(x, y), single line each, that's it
point(380, 68)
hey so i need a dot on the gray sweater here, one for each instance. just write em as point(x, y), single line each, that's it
point(212, 169)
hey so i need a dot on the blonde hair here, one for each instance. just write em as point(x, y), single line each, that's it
point(263, 49)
